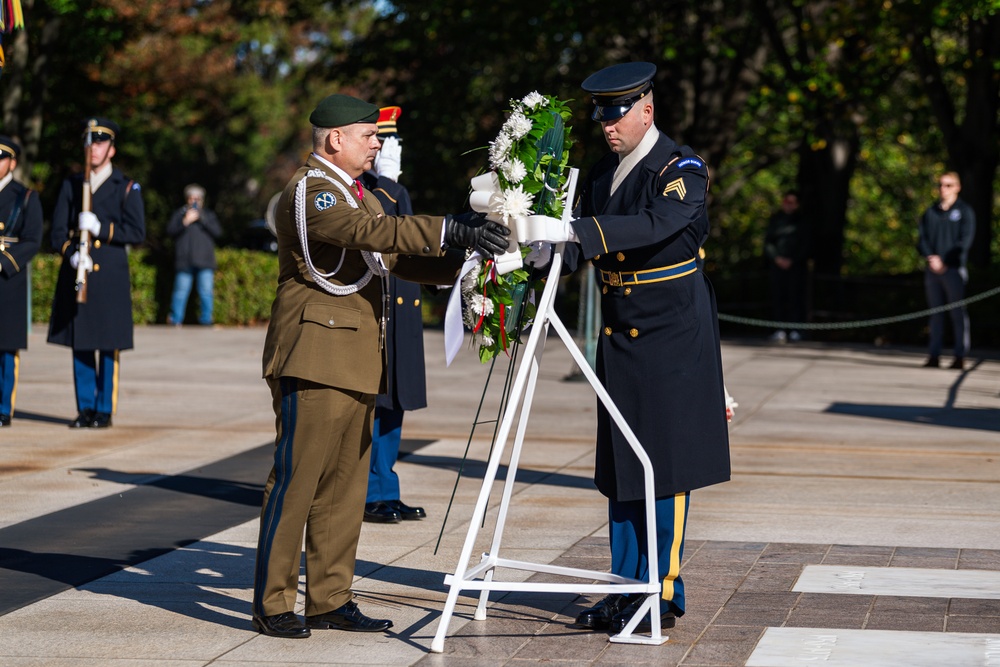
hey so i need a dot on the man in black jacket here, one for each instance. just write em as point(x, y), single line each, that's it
point(786, 247)
point(194, 229)
point(946, 232)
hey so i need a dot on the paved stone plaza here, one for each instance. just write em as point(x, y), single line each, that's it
point(861, 527)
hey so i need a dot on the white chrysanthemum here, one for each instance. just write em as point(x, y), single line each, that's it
point(534, 99)
point(499, 148)
point(517, 125)
point(480, 305)
point(486, 341)
point(514, 171)
point(516, 203)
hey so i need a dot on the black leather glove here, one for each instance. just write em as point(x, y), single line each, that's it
point(475, 232)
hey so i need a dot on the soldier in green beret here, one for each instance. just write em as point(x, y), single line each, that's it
point(324, 362)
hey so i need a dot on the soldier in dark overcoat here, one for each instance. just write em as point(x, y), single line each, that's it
point(98, 329)
point(324, 362)
point(406, 388)
point(20, 238)
point(641, 220)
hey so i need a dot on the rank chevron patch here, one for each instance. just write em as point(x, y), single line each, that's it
point(675, 186)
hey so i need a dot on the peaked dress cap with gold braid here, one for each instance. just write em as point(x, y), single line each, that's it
point(100, 129)
point(8, 147)
point(615, 89)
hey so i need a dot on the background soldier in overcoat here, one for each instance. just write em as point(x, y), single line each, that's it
point(406, 387)
point(100, 328)
point(641, 220)
point(20, 238)
point(324, 362)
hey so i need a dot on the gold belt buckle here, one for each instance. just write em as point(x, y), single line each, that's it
point(614, 279)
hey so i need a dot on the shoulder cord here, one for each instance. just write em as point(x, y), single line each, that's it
point(373, 260)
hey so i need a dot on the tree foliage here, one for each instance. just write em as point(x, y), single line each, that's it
point(858, 105)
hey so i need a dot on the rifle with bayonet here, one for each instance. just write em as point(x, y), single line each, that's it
point(84, 245)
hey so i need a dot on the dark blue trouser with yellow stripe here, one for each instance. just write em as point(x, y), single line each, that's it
point(629, 552)
point(8, 381)
point(95, 374)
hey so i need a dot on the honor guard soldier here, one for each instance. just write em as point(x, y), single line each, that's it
point(406, 387)
point(641, 219)
point(20, 238)
point(324, 362)
point(108, 208)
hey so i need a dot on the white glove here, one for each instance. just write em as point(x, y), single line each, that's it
point(540, 254)
point(88, 222)
point(88, 262)
point(389, 159)
point(543, 228)
point(731, 405)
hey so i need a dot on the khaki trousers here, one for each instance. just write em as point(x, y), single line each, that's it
point(318, 482)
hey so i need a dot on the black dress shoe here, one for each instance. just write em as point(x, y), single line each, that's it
point(348, 617)
point(958, 363)
point(381, 513)
point(101, 420)
point(4, 420)
point(408, 513)
point(932, 362)
point(599, 616)
point(83, 420)
point(667, 619)
point(285, 625)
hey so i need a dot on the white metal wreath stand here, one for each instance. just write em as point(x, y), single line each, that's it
point(481, 577)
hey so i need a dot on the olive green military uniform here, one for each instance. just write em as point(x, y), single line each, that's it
point(324, 363)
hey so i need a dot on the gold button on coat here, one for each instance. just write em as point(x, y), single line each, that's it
point(399, 300)
point(604, 290)
point(620, 256)
point(97, 267)
point(607, 331)
point(633, 332)
point(597, 256)
point(628, 290)
point(416, 302)
point(97, 244)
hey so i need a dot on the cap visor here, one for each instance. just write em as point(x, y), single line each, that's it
point(607, 113)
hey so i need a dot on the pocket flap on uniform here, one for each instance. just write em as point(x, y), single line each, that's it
point(333, 317)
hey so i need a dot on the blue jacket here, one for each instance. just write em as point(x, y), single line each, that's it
point(658, 354)
point(104, 322)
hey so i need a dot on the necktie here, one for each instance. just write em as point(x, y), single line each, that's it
point(361, 192)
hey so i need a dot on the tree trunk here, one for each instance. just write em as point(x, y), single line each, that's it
point(824, 187)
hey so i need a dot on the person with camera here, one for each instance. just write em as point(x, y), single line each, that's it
point(194, 229)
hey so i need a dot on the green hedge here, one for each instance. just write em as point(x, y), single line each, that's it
point(244, 286)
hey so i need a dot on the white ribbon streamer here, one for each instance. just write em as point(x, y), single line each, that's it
point(454, 329)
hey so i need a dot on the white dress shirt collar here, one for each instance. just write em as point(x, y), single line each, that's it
point(628, 162)
point(98, 177)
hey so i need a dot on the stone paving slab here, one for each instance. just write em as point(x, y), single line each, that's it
point(847, 456)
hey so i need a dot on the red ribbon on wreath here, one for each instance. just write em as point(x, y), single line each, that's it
point(482, 312)
point(492, 276)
